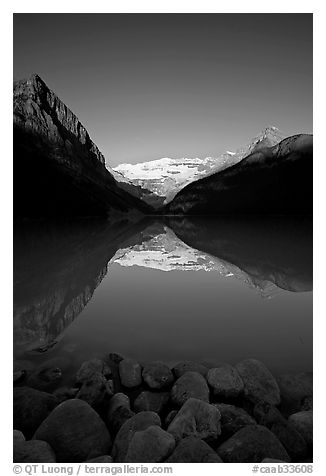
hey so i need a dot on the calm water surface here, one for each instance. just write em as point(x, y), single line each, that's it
point(170, 290)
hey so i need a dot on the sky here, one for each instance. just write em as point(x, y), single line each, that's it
point(148, 86)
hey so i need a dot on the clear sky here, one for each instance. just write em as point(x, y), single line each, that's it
point(148, 86)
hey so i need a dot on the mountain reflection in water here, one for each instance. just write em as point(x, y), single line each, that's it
point(57, 269)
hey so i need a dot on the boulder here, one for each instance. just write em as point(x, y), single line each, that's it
point(233, 419)
point(267, 415)
point(157, 375)
point(152, 445)
point(259, 383)
point(65, 393)
point(251, 444)
point(294, 388)
point(193, 450)
point(33, 451)
point(307, 404)
point(303, 423)
point(95, 389)
point(130, 373)
point(30, 408)
point(151, 401)
point(138, 422)
point(18, 436)
point(225, 382)
point(188, 366)
point(196, 418)
point(189, 385)
point(291, 439)
point(91, 367)
point(119, 411)
point(75, 432)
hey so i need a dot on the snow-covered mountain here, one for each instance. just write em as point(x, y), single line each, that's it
point(164, 251)
point(158, 181)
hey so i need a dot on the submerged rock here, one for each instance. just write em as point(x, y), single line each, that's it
point(33, 451)
point(189, 385)
point(225, 382)
point(30, 408)
point(267, 414)
point(130, 373)
point(75, 432)
point(139, 422)
point(152, 445)
point(157, 375)
point(95, 389)
point(45, 378)
point(189, 366)
point(251, 444)
point(193, 450)
point(151, 401)
point(259, 383)
point(65, 393)
point(91, 367)
point(18, 436)
point(196, 418)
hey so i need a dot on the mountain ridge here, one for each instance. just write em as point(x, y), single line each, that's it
point(164, 178)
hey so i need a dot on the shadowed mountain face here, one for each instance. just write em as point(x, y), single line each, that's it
point(58, 267)
point(271, 180)
point(58, 170)
point(158, 181)
point(276, 250)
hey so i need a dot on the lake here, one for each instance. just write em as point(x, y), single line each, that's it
point(170, 289)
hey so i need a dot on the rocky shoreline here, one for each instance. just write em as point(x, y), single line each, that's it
point(118, 410)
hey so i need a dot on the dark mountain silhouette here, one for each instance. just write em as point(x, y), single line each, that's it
point(275, 249)
point(58, 170)
point(271, 180)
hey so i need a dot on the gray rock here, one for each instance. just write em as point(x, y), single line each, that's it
point(119, 411)
point(75, 432)
point(30, 408)
point(65, 393)
point(115, 357)
point(189, 385)
point(95, 389)
point(272, 460)
point(189, 366)
point(303, 423)
point(33, 451)
point(130, 373)
point(291, 439)
point(193, 450)
point(100, 459)
point(157, 375)
point(18, 376)
point(294, 389)
point(233, 419)
point(259, 383)
point(196, 418)
point(117, 401)
point(138, 422)
point(307, 404)
point(152, 445)
point(225, 382)
point(18, 436)
point(91, 367)
point(151, 401)
point(251, 444)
